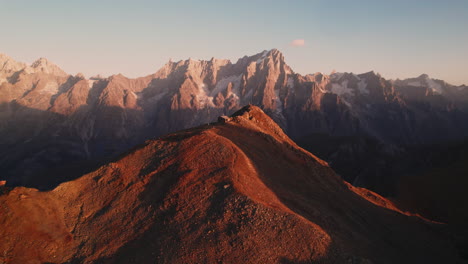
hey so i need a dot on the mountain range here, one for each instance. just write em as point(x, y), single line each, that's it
point(93, 170)
point(364, 125)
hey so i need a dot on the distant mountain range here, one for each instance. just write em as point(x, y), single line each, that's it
point(362, 124)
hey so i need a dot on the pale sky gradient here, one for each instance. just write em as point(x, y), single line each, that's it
point(397, 38)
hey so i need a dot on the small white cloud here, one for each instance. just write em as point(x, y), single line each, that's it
point(297, 43)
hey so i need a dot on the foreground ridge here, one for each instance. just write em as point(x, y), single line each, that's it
point(237, 191)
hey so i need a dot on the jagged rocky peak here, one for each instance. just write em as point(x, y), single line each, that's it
point(210, 72)
point(80, 76)
point(370, 75)
point(351, 78)
point(40, 62)
point(7, 64)
point(259, 58)
point(271, 56)
point(423, 76)
point(424, 81)
point(317, 77)
point(117, 76)
point(4, 58)
point(193, 63)
point(201, 70)
point(275, 53)
point(273, 60)
point(97, 77)
point(201, 83)
point(45, 66)
point(165, 70)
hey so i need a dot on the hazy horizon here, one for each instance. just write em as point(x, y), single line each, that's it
point(397, 39)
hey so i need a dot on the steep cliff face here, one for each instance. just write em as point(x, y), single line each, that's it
point(237, 191)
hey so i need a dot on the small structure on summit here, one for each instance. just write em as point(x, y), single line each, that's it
point(224, 119)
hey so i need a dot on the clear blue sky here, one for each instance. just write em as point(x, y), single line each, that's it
point(396, 38)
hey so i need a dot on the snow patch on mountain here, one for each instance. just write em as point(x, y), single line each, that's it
point(91, 83)
point(425, 81)
point(50, 88)
point(235, 92)
point(290, 82)
point(134, 94)
point(362, 86)
point(153, 99)
point(415, 83)
point(222, 84)
point(434, 86)
point(279, 104)
point(203, 97)
point(346, 103)
point(341, 89)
